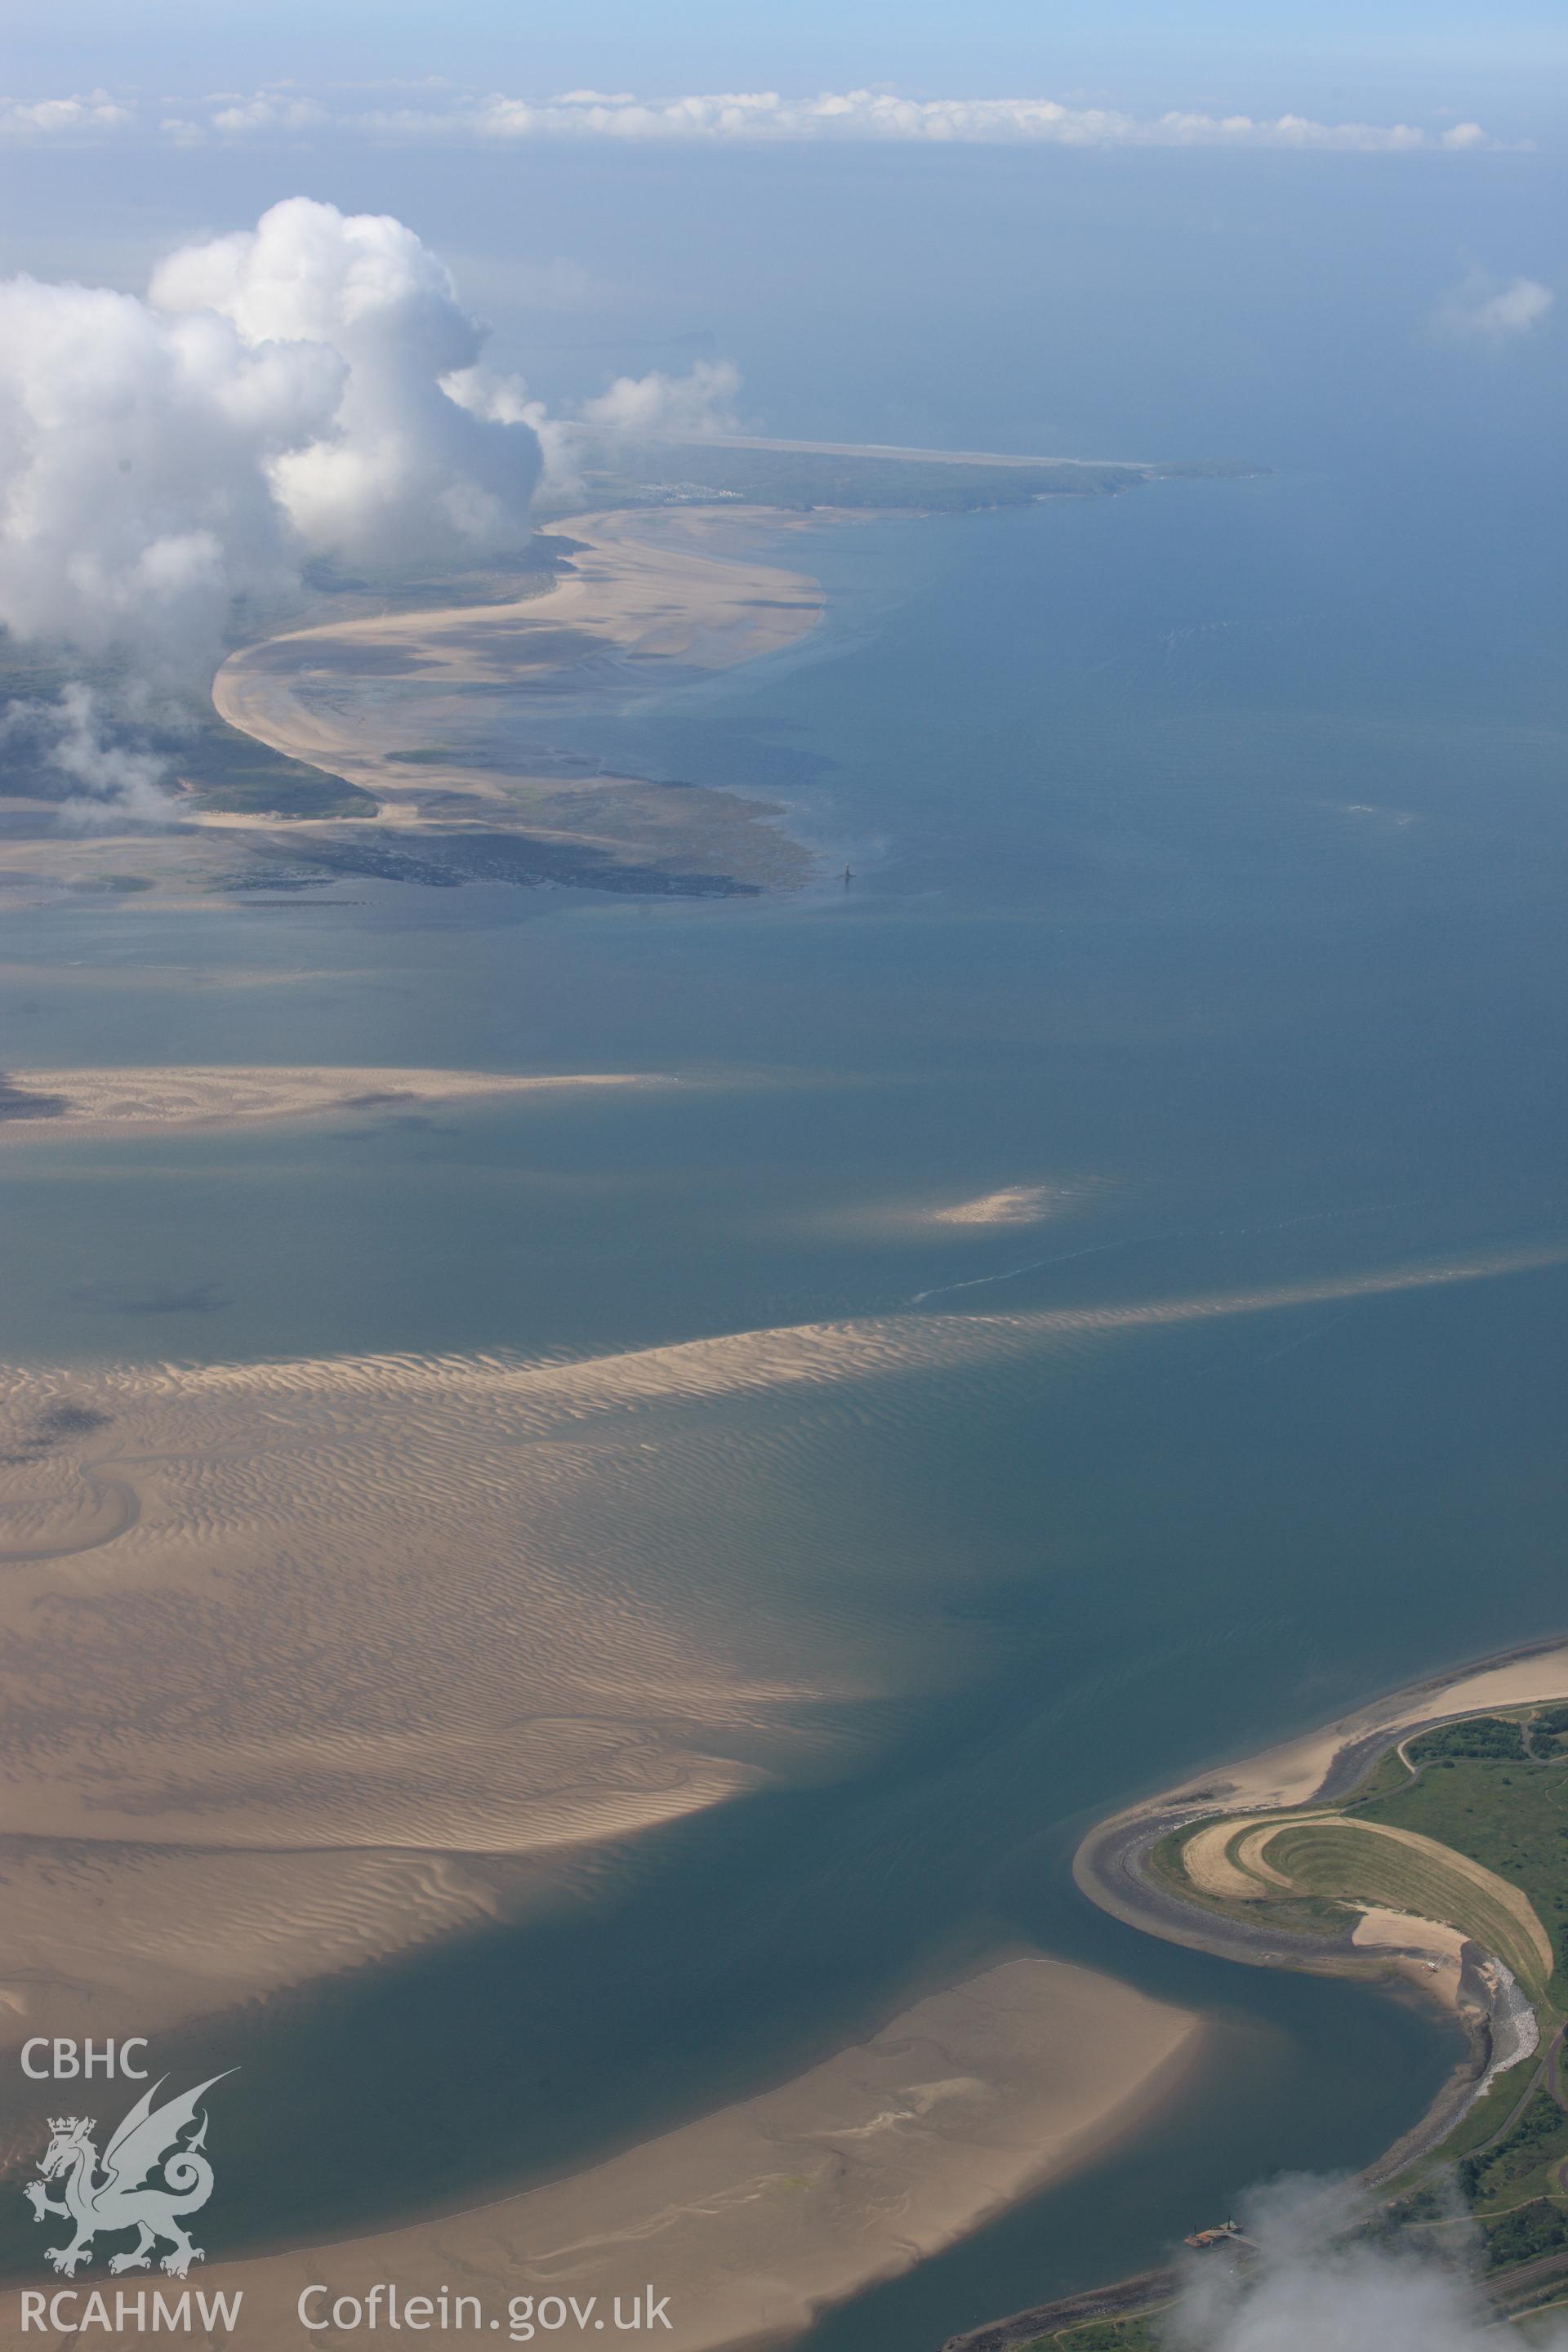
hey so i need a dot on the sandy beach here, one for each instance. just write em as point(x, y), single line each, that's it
point(1295, 1772)
point(445, 716)
point(652, 596)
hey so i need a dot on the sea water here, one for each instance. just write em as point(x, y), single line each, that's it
point(1206, 852)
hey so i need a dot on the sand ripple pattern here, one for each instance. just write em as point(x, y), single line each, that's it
point(345, 1652)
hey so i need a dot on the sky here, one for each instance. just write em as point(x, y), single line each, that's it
point(1146, 51)
point(356, 307)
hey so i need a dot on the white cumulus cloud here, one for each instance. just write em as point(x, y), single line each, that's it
point(67, 743)
point(268, 112)
point(53, 117)
point(697, 406)
point(669, 407)
point(279, 395)
point(134, 499)
point(877, 115)
point(405, 473)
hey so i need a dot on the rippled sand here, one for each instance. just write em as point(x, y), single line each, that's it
point(452, 1623)
point(306, 1663)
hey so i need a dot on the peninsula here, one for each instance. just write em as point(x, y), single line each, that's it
point(1421, 1841)
point(410, 729)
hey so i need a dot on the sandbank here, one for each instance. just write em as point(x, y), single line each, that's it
point(454, 1622)
point(306, 1663)
point(751, 2219)
point(145, 1101)
point(1014, 1204)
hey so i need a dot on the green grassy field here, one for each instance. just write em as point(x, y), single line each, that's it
point(1506, 1813)
point(1338, 1858)
point(1099, 2335)
point(1493, 1789)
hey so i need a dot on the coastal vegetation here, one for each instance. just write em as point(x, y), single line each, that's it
point(1466, 1825)
point(1097, 2336)
point(1504, 1806)
point(233, 773)
point(909, 480)
point(1432, 1849)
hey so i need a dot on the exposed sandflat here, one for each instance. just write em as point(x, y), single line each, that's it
point(333, 1605)
point(1014, 1204)
point(147, 1100)
point(751, 2218)
point(304, 1663)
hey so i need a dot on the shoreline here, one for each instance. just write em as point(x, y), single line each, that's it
point(1322, 1765)
point(1110, 1865)
point(649, 599)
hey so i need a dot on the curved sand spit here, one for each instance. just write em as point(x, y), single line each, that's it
point(395, 703)
point(1246, 1805)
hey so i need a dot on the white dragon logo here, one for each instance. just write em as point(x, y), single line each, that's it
point(147, 2141)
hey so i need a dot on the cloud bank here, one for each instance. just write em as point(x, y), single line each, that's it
point(865, 115)
point(669, 407)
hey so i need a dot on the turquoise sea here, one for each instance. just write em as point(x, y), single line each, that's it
point(1208, 851)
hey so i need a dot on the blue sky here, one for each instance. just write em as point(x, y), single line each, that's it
point(1142, 50)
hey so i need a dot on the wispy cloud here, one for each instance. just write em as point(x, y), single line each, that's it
point(54, 118)
point(868, 116)
point(1321, 2282)
point(1489, 310)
